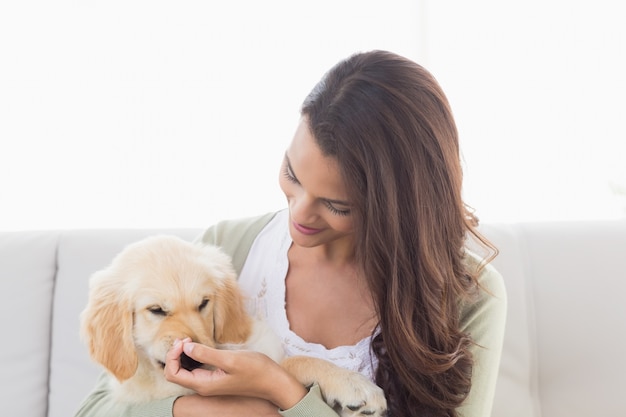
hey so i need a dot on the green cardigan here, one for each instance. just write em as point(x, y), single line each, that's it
point(483, 319)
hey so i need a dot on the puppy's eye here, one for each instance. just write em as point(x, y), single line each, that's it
point(157, 311)
point(203, 304)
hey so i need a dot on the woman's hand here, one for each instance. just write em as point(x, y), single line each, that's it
point(239, 373)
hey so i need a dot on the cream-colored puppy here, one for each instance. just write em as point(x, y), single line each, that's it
point(163, 288)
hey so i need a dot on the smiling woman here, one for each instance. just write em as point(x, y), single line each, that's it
point(316, 195)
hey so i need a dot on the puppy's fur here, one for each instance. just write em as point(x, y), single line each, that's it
point(164, 288)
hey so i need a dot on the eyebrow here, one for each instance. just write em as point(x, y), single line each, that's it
point(330, 200)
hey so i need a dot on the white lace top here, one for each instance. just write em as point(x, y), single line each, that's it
point(262, 280)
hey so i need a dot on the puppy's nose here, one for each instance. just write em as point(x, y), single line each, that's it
point(189, 363)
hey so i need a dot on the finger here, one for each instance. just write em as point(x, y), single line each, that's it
point(172, 360)
point(207, 355)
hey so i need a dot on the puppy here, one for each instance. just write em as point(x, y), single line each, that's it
point(164, 288)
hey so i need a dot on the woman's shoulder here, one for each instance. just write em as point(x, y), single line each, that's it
point(488, 304)
point(235, 236)
point(487, 276)
point(483, 318)
point(227, 229)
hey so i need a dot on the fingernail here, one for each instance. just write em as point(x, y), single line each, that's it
point(188, 348)
point(176, 343)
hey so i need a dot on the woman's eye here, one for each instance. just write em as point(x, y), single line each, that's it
point(203, 304)
point(289, 175)
point(335, 210)
point(157, 311)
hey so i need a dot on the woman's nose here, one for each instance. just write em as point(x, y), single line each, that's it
point(303, 208)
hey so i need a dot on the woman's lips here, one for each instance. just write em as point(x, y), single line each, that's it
point(305, 230)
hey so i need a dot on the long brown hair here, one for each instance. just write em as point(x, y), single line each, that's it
point(389, 125)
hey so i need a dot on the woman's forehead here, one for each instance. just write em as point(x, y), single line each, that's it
point(311, 167)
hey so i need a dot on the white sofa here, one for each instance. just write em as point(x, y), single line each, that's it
point(564, 353)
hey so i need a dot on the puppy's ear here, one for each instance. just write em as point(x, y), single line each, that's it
point(232, 322)
point(107, 324)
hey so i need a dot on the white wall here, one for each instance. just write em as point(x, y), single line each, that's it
point(174, 114)
point(539, 92)
point(160, 113)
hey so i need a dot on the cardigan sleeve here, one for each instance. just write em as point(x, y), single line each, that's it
point(312, 405)
point(483, 318)
point(100, 403)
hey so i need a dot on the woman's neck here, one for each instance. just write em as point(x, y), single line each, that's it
point(339, 253)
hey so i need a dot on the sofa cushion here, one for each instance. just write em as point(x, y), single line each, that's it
point(27, 269)
point(80, 254)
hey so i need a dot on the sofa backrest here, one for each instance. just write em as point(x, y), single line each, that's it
point(563, 350)
point(566, 327)
point(27, 271)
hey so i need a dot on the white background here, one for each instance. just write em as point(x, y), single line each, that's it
point(177, 114)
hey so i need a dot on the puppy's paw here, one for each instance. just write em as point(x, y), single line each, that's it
point(351, 395)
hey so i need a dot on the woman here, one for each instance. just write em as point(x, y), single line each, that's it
point(367, 268)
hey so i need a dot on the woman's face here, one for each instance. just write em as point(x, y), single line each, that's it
point(317, 198)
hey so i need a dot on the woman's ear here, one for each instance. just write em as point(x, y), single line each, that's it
point(232, 322)
point(107, 325)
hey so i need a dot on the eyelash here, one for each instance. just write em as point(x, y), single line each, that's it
point(335, 210)
point(328, 205)
point(288, 175)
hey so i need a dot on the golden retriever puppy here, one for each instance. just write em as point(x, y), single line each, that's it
point(164, 288)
